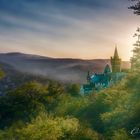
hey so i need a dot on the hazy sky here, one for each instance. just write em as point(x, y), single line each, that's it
point(85, 29)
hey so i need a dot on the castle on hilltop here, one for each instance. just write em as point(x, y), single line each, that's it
point(111, 74)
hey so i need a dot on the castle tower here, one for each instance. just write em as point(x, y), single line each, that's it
point(116, 62)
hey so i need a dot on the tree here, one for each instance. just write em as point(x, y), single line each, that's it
point(136, 7)
point(46, 127)
point(2, 74)
point(23, 103)
point(121, 135)
point(74, 89)
point(135, 59)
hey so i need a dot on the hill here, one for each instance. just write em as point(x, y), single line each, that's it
point(61, 69)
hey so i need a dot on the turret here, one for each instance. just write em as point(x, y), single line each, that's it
point(88, 77)
point(107, 69)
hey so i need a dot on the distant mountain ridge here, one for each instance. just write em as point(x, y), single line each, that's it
point(62, 69)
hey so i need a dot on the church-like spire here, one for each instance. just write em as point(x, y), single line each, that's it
point(116, 53)
point(116, 62)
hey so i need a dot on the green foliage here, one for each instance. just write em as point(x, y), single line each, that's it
point(23, 103)
point(135, 60)
point(46, 127)
point(123, 104)
point(74, 89)
point(70, 105)
point(132, 81)
point(91, 113)
point(2, 74)
point(118, 105)
point(100, 115)
point(55, 91)
point(27, 101)
point(86, 109)
point(121, 135)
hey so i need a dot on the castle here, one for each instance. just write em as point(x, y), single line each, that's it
point(103, 80)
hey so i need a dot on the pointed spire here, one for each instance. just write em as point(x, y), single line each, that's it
point(116, 53)
point(116, 62)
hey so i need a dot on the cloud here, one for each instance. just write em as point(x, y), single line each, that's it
point(66, 28)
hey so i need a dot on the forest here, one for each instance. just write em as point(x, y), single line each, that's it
point(36, 110)
point(54, 111)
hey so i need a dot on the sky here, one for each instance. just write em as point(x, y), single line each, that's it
point(87, 29)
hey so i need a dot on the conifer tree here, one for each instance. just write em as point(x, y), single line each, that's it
point(135, 59)
point(135, 7)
